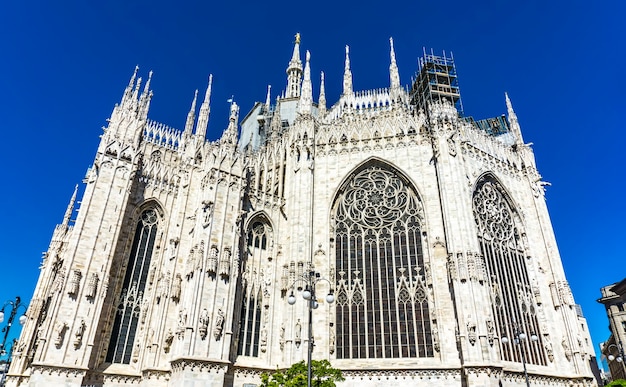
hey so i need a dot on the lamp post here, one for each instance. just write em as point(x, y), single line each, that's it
point(15, 305)
point(518, 338)
point(616, 355)
point(310, 280)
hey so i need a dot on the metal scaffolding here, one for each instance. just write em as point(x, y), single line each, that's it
point(436, 80)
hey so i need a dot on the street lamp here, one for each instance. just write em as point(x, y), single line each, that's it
point(620, 353)
point(616, 352)
point(310, 280)
point(518, 338)
point(15, 305)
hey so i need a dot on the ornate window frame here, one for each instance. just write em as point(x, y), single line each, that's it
point(253, 292)
point(130, 305)
point(383, 285)
point(500, 234)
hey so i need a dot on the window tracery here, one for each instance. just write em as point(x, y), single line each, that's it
point(130, 302)
point(513, 302)
point(382, 308)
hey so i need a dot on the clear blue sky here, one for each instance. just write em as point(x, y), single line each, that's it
point(65, 64)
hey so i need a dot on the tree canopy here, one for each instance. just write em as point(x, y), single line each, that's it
point(617, 383)
point(322, 375)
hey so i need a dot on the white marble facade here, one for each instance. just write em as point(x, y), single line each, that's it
point(433, 233)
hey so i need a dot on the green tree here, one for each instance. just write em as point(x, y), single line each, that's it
point(617, 383)
point(322, 375)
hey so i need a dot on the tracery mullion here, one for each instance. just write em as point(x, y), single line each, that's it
point(352, 287)
point(256, 324)
point(246, 327)
point(396, 340)
point(145, 259)
point(363, 308)
point(127, 316)
point(500, 270)
point(370, 336)
point(341, 326)
point(511, 301)
point(143, 266)
point(499, 318)
point(408, 305)
point(416, 305)
point(386, 300)
point(521, 295)
point(413, 319)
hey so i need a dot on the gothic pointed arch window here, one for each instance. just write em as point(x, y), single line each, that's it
point(500, 238)
point(382, 308)
point(252, 324)
point(130, 302)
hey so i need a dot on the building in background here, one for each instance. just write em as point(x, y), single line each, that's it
point(431, 228)
point(614, 300)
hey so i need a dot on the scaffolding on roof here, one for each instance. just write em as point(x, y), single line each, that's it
point(436, 80)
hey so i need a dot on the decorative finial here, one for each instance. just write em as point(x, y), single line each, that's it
point(230, 135)
point(347, 75)
point(306, 99)
point(205, 110)
point(207, 95)
point(129, 88)
point(268, 98)
point(70, 208)
point(191, 116)
point(294, 71)
point(322, 100)
point(394, 75)
point(513, 122)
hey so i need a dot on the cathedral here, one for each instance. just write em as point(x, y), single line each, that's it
point(389, 233)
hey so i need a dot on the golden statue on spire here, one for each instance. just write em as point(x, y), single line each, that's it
point(297, 38)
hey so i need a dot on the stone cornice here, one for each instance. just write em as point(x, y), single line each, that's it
point(402, 373)
point(154, 373)
point(202, 365)
point(250, 371)
point(49, 369)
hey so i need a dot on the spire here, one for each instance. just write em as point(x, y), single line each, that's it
point(515, 128)
point(205, 111)
point(347, 75)
point(191, 116)
point(268, 98)
point(146, 95)
point(230, 134)
point(70, 208)
point(294, 71)
point(135, 95)
point(276, 124)
point(306, 100)
point(322, 100)
point(129, 88)
point(147, 86)
point(394, 76)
